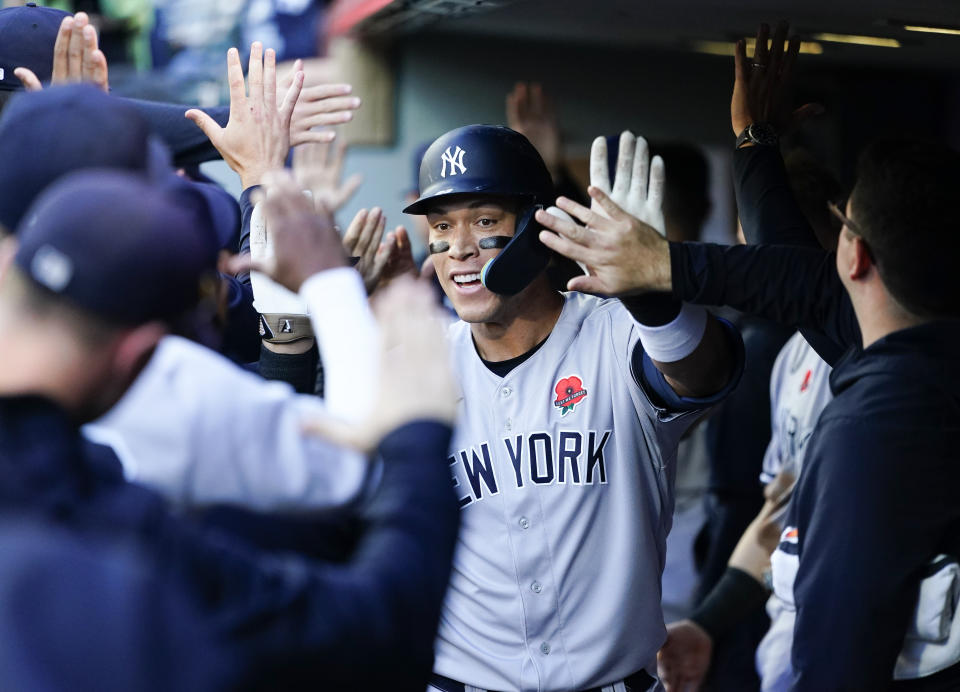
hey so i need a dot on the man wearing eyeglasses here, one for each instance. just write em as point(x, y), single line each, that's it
point(876, 504)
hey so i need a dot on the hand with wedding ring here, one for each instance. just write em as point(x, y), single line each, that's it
point(761, 89)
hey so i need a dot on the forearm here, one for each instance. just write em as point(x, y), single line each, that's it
point(735, 597)
point(246, 215)
point(188, 144)
point(769, 213)
point(797, 287)
point(295, 364)
point(347, 334)
point(685, 343)
point(707, 370)
point(752, 553)
point(241, 341)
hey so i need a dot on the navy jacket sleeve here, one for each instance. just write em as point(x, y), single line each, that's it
point(867, 514)
point(373, 621)
point(246, 214)
point(241, 336)
point(795, 286)
point(366, 623)
point(769, 214)
point(184, 139)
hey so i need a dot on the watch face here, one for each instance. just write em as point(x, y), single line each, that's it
point(762, 133)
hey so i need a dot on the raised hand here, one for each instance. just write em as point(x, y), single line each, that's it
point(684, 659)
point(320, 105)
point(761, 89)
point(257, 136)
point(362, 241)
point(531, 113)
point(638, 182)
point(303, 241)
point(416, 381)
point(318, 167)
point(623, 255)
point(76, 57)
point(400, 260)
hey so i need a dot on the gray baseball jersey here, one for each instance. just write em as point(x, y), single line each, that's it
point(799, 390)
point(564, 470)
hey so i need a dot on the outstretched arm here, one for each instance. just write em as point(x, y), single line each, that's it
point(761, 94)
point(684, 343)
point(609, 245)
point(790, 285)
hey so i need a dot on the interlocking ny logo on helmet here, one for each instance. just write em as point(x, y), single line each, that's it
point(503, 163)
point(455, 160)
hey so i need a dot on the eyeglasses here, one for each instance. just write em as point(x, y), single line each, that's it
point(854, 228)
point(844, 219)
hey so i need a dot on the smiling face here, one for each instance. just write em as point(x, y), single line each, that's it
point(461, 222)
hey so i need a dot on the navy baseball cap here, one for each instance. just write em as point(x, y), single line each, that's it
point(27, 37)
point(117, 246)
point(47, 134)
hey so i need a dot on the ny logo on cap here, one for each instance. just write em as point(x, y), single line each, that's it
point(455, 160)
point(51, 268)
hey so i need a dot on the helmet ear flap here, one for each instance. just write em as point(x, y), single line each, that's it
point(523, 258)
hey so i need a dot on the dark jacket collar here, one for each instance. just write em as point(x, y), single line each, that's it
point(929, 352)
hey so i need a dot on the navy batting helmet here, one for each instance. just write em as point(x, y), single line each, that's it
point(496, 161)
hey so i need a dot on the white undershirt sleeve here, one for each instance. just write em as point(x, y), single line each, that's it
point(348, 339)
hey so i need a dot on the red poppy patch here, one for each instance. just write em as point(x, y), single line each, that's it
point(570, 392)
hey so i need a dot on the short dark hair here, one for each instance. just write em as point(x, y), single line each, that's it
point(905, 202)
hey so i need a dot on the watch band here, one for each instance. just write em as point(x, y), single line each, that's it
point(760, 134)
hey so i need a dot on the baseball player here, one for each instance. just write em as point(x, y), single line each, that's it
point(573, 405)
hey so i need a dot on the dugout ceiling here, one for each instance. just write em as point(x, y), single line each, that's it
point(865, 32)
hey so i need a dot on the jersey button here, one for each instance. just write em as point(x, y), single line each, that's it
point(545, 648)
point(508, 425)
point(536, 587)
point(505, 392)
point(524, 523)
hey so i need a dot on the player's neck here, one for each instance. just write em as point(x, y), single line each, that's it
point(519, 330)
point(41, 364)
point(879, 314)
